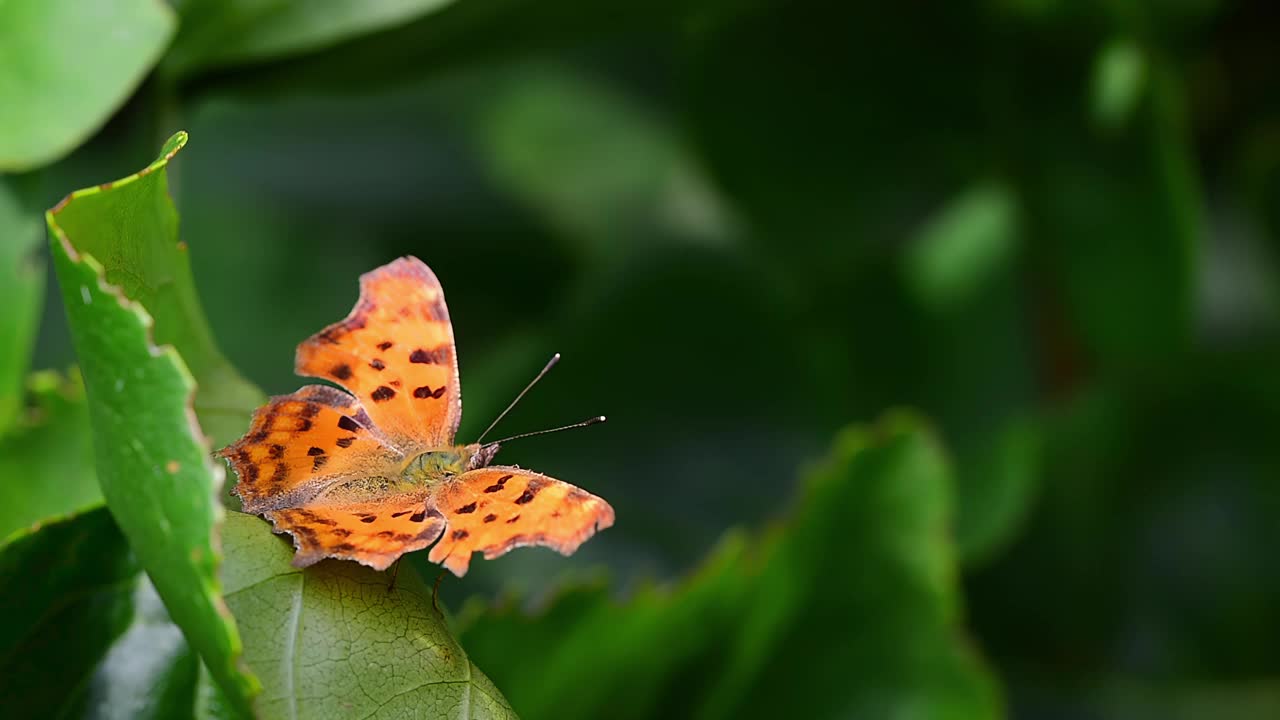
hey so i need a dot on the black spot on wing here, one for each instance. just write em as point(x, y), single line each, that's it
point(385, 345)
point(530, 492)
point(490, 518)
point(382, 394)
point(345, 442)
point(315, 451)
point(348, 424)
point(466, 509)
point(498, 485)
point(435, 356)
point(342, 371)
point(460, 535)
point(377, 364)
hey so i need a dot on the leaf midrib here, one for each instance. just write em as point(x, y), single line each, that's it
point(291, 656)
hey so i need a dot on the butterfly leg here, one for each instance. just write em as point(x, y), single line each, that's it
point(395, 572)
point(435, 592)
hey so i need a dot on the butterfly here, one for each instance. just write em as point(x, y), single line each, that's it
point(371, 471)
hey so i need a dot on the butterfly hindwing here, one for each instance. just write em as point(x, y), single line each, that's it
point(373, 532)
point(300, 444)
point(499, 508)
point(395, 352)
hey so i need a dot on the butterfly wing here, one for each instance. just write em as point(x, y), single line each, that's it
point(373, 532)
point(298, 445)
point(498, 508)
point(395, 352)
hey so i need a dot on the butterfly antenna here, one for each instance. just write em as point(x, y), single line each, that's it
point(584, 423)
point(550, 364)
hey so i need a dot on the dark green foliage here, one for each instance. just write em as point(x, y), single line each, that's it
point(856, 590)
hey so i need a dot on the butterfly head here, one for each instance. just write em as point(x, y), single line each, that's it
point(479, 456)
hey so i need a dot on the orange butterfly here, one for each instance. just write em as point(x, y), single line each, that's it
point(373, 473)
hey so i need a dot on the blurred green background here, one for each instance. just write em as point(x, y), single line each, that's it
point(1048, 227)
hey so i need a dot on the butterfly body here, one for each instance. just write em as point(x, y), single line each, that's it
point(371, 471)
point(437, 466)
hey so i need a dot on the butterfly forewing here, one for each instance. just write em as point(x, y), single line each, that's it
point(298, 445)
point(498, 508)
point(395, 352)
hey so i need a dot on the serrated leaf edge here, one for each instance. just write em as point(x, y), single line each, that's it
point(218, 474)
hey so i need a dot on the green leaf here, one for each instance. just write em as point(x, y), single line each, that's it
point(64, 594)
point(152, 460)
point(228, 33)
point(332, 642)
point(83, 628)
point(21, 291)
point(130, 227)
point(46, 462)
point(66, 66)
point(149, 671)
point(849, 609)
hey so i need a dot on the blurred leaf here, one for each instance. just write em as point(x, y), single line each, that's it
point(1000, 483)
point(331, 641)
point(1172, 482)
point(1127, 700)
point(959, 249)
point(875, 184)
point(68, 65)
point(824, 133)
point(131, 227)
point(227, 33)
point(1118, 77)
point(600, 167)
point(461, 34)
point(46, 462)
point(21, 291)
point(963, 273)
point(849, 609)
point(1118, 220)
point(152, 460)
